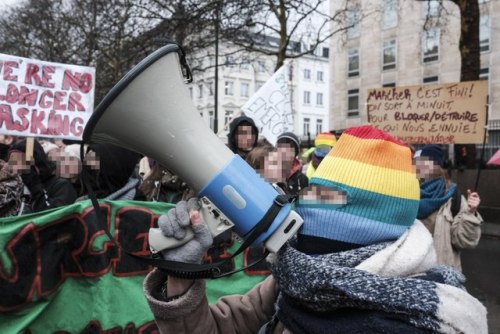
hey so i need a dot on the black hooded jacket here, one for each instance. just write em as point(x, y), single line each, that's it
point(116, 166)
point(240, 120)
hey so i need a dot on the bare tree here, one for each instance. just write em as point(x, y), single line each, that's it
point(295, 23)
point(469, 55)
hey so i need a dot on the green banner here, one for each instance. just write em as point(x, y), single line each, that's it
point(60, 273)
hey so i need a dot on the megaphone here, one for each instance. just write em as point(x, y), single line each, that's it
point(150, 111)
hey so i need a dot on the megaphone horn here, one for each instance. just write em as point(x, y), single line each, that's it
point(150, 111)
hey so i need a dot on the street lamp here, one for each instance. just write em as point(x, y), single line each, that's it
point(216, 88)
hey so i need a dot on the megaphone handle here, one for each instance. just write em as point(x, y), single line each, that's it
point(217, 225)
point(158, 242)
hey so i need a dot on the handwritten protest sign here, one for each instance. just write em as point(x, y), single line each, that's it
point(43, 99)
point(440, 114)
point(270, 106)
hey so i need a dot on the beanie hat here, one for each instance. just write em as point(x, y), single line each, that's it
point(433, 152)
point(289, 137)
point(375, 172)
point(325, 138)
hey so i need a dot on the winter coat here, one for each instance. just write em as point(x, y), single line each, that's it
point(452, 234)
point(391, 287)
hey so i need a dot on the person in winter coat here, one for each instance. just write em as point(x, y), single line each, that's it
point(111, 172)
point(323, 143)
point(47, 190)
point(451, 218)
point(361, 262)
point(243, 135)
point(289, 146)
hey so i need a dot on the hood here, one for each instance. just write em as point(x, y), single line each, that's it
point(231, 143)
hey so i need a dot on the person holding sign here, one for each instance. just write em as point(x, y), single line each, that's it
point(452, 219)
point(47, 191)
point(361, 262)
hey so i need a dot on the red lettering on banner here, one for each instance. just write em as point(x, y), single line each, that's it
point(77, 81)
point(74, 102)
point(76, 126)
point(32, 74)
point(8, 67)
point(37, 117)
point(7, 118)
point(43, 257)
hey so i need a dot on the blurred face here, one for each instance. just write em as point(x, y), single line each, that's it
point(321, 195)
point(273, 167)
point(287, 152)
point(17, 163)
point(67, 166)
point(92, 160)
point(245, 137)
point(426, 169)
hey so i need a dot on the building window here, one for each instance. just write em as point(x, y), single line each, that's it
point(353, 19)
point(390, 14)
point(200, 91)
point(431, 8)
point(389, 55)
point(227, 116)
point(211, 89)
point(319, 76)
point(326, 52)
point(245, 64)
point(389, 84)
point(353, 102)
point(430, 45)
point(307, 74)
point(244, 89)
point(484, 33)
point(307, 122)
point(230, 61)
point(261, 66)
point(484, 73)
point(319, 126)
point(229, 88)
point(431, 79)
point(319, 99)
point(353, 62)
point(307, 97)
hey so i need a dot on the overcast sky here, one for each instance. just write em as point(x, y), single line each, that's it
point(4, 3)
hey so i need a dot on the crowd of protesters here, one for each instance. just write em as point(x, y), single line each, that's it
point(363, 204)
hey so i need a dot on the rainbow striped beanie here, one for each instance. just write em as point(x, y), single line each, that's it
point(325, 138)
point(375, 172)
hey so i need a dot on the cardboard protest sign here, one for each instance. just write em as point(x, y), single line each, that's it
point(43, 99)
point(59, 272)
point(452, 113)
point(270, 107)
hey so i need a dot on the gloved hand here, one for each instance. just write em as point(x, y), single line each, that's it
point(174, 224)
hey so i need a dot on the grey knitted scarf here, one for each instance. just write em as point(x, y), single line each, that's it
point(328, 282)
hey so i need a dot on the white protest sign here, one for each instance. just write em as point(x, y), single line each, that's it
point(270, 106)
point(44, 99)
